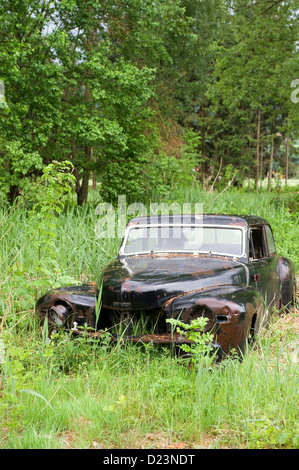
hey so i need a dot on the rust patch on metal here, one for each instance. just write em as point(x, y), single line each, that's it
point(166, 304)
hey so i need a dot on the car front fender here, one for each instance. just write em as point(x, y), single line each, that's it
point(233, 313)
point(66, 305)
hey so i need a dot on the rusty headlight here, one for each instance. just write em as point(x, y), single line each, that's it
point(206, 312)
point(58, 314)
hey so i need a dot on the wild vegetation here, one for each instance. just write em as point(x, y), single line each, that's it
point(71, 392)
point(137, 94)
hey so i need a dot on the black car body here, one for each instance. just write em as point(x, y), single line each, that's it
point(222, 267)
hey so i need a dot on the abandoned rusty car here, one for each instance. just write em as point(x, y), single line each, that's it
point(222, 267)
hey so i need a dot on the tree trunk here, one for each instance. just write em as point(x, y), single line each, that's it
point(14, 192)
point(271, 165)
point(83, 191)
point(261, 169)
point(94, 173)
point(258, 150)
point(82, 187)
point(287, 161)
point(249, 180)
point(203, 144)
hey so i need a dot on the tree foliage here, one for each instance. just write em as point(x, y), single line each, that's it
point(138, 94)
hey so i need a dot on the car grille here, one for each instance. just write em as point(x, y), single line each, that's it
point(132, 323)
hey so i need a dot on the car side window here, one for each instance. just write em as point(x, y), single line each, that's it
point(257, 243)
point(270, 240)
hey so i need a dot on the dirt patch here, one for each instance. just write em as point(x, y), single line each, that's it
point(159, 440)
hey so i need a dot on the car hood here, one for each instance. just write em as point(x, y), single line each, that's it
point(149, 281)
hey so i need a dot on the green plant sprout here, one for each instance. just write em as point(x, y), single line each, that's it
point(200, 341)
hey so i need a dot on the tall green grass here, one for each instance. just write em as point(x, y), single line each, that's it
point(77, 249)
point(117, 399)
point(73, 393)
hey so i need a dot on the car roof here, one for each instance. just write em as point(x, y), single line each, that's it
point(219, 219)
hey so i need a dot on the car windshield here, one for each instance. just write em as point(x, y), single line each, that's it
point(168, 239)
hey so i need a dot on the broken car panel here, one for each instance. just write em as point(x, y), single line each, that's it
point(222, 267)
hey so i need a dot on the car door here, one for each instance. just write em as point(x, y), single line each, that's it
point(263, 259)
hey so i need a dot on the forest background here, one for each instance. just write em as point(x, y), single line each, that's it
point(141, 95)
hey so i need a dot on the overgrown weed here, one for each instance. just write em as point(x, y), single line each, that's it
point(71, 392)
